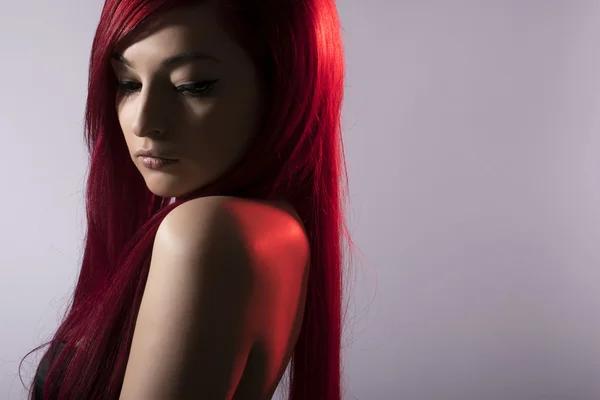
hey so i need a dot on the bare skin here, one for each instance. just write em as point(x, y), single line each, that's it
point(206, 133)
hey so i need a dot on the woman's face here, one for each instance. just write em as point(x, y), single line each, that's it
point(201, 111)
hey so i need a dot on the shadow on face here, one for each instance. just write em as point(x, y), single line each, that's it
point(189, 92)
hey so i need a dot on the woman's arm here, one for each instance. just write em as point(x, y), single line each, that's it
point(193, 332)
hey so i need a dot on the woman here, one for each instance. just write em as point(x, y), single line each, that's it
point(214, 206)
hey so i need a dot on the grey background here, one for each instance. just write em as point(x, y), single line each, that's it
point(471, 131)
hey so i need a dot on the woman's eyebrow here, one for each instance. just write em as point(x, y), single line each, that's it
point(173, 60)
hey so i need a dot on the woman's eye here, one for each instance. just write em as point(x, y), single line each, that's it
point(125, 86)
point(196, 89)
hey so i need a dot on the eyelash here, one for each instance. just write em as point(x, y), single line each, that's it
point(122, 86)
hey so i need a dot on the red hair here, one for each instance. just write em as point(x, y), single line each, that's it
point(297, 154)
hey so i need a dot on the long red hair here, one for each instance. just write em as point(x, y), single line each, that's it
point(297, 154)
